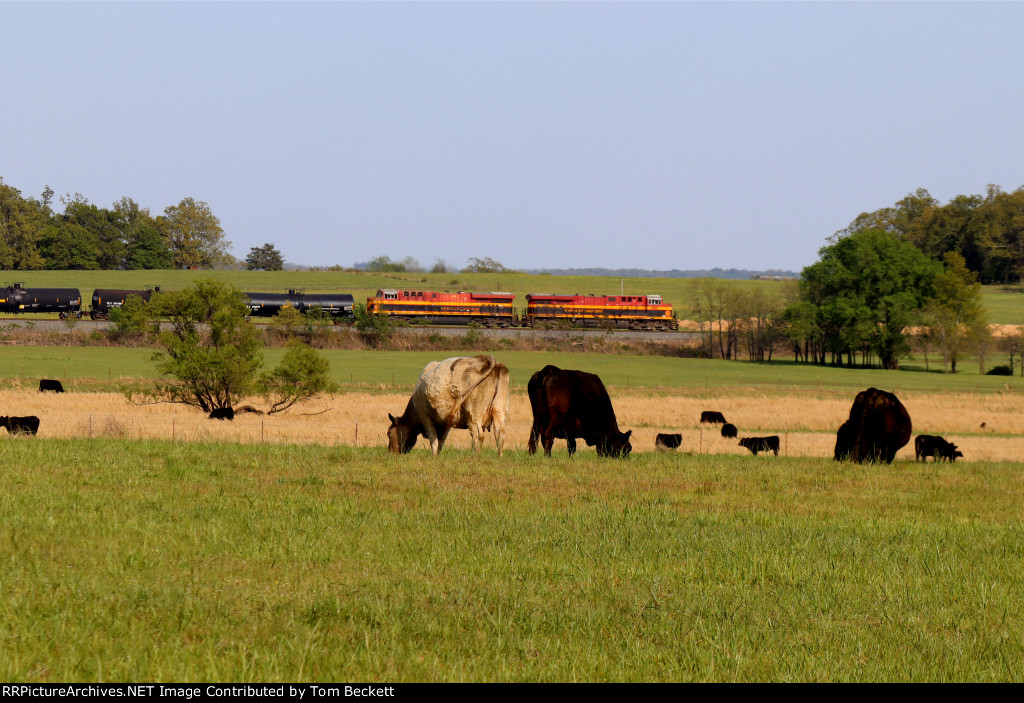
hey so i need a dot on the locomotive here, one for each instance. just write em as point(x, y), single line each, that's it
point(635, 312)
point(431, 307)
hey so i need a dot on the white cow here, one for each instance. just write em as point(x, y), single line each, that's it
point(464, 392)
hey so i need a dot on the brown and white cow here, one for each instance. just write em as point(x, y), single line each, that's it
point(463, 392)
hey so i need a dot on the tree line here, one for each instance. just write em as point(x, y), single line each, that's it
point(34, 234)
point(987, 230)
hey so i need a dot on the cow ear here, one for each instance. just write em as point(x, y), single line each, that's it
point(392, 418)
point(628, 433)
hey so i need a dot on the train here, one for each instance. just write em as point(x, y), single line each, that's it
point(496, 309)
point(493, 309)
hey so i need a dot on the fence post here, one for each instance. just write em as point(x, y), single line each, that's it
point(357, 433)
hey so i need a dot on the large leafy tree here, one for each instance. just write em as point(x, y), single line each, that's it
point(264, 258)
point(211, 355)
point(67, 246)
point(866, 289)
point(21, 222)
point(955, 315)
point(145, 248)
point(194, 235)
point(103, 226)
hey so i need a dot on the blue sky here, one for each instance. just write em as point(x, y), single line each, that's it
point(617, 134)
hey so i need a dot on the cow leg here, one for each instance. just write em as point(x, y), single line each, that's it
point(498, 428)
point(570, 442)
point(531, 446)
point(548, 441)
point(476, 435)
point(442, 436)
point(430, 432)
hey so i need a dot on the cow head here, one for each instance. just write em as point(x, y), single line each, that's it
point(615, 445)
point(401, 436)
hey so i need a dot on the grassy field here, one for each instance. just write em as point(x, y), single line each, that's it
point(146, 543)
point(104, 368)
point(164, 561)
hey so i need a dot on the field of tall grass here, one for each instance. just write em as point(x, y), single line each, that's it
point(148, 543)
point(155, 560)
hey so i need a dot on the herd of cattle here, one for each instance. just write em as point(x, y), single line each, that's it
point(473, 393)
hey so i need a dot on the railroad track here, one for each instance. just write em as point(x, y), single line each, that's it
point(13, 325)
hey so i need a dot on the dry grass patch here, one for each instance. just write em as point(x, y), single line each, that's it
point(806, 423)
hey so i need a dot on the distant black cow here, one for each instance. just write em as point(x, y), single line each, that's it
point(729, 431)
point(20, 425)
point(574, 404)
point(665, 442)
point(761, 444)
point(927, 445)
point(712, 417)
point(878, 426)
point(49, 384)
point(222, 414)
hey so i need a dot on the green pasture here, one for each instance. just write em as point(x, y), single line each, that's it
point(101, 368)
point(163, 561)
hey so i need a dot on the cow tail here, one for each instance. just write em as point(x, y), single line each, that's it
point(457, 408)
point(502, 379)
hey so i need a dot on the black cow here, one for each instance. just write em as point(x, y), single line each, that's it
point(222, 414)
point(729, 431)
point(878, 426)
point(574, 404)
point(20, 425)
point(666, 442)
point(761, 444)
point(927, 445)
point(712, 417)
point(49, 384)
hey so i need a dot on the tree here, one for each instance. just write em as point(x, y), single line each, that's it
point(21, 222)
point(955, 314)
point(104, 228)
point(67, 246)
point(194, 235)
point(264, 258)
point(866, 289)
point(145, 248)
point(302, 375)
point(484, 265)
point(211, 368)
point(375, 328)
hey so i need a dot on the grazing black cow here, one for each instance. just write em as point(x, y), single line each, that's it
point(667, 442)
point(927, 445)
point(222, 414)
point(729, 431)
point(20, 425)
point(761, 444)
point(49, 384)
point(574, 404)
point(878, 426)
point(712, 417)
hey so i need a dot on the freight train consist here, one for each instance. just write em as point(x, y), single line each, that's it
point(636, 312)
